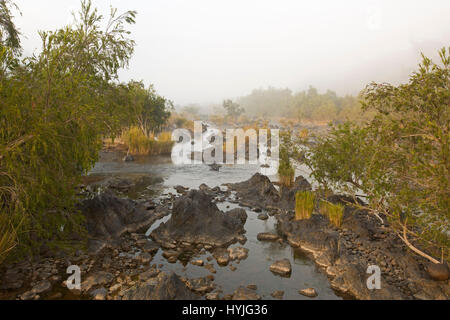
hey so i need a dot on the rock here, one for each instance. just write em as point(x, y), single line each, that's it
point(200, 285)
point(99, 294)
point(145, 258)
point(166, 286)
point(199, 262)
point(252, 287)
point(258, 191)
point(257, 210)
point(99, 278)
point(128, 158)
point(288, 194)
point(108, 217)
point(437, 271)
point(238, 253)
point(277, 294)
point(212, 296)
point(172, 259)
point(233, 268)
point(210, 268)
point(29, 295)
point(150, 247)
point(151, 273)
point(267, 237)
point(243, 293)
point(263, 216)
point(181, 189)
point(239, 214)
point(195, 219)
point(281, 267)
point(222, 256)
point(309, 292)
point(42, 287)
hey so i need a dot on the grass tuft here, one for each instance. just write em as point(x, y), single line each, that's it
point(304, 205)
point(334, 212)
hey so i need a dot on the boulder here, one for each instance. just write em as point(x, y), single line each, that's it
point(108, 217)
point(258, 191)
point(281, 267)
point(196, 220)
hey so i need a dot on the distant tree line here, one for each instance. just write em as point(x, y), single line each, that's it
point(303, 105)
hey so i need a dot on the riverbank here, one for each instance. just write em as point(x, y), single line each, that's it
point(130, 255)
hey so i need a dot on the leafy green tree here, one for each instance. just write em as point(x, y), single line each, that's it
point(400, 160)
point(54, 109)
point(151, 111)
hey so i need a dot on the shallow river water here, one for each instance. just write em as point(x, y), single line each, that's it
point(254, 269)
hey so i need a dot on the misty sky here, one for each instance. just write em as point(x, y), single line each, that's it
point(202, 51)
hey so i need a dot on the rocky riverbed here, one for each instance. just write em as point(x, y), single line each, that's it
point(192, 241)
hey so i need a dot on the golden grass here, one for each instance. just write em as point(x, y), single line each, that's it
point(139, 144)
point(334, 212)
point(304, 205)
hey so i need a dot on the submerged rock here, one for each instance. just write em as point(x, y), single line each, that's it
point(281, 267)
point(196, 220)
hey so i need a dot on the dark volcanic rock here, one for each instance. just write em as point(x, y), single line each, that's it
point(288, 194)
point(166, 286)
point(196, 220)
point(346, 255)
point(257, 191)
point(108, 217)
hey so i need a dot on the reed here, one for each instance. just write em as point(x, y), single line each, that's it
point(304, 205)
point(334, 212)
point(139, 144)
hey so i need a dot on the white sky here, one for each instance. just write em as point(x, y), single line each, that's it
point(202, 51)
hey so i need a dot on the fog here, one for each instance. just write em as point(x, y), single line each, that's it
point(203, 51)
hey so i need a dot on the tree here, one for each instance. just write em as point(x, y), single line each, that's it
point(54, 109)
point(233, 109)
point(9, 35)
point(151, 111)
point(400, 159)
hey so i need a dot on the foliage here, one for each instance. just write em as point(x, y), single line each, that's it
point(54, 108)
point(304, 205)
point(233, 109)
point(309, 105)
point(334, 212)
point(286, 171)
point(400, 159)
point(9, 35)
point(139, 144)
point(150, 110)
